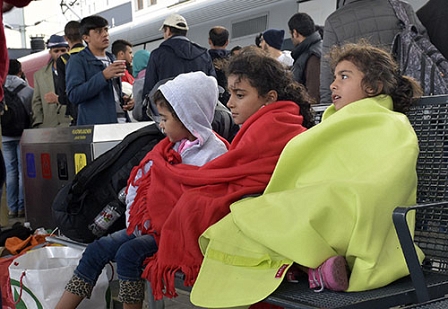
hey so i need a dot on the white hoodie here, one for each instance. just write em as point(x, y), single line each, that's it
point(194, 97)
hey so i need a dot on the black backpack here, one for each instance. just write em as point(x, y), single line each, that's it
point(15, 117)
point(418, 57)
point(78, 203)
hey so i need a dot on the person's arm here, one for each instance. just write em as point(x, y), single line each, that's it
point(36, 105)
point(16, 3)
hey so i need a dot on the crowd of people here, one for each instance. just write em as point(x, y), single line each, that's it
point(260, 163)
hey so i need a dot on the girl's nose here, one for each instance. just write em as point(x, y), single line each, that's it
point(229, 103)
point(333, 85)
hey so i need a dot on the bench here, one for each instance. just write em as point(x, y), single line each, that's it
point(430, 121)
point(439, 303)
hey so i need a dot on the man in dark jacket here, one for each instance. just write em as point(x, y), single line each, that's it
point(306, 53)
point(374, 20)
point(176, 55)
point(74, 40)
point(218, 39)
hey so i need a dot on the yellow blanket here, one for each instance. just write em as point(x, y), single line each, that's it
point(332, 193)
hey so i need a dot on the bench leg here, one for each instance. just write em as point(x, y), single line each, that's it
point(153, 304)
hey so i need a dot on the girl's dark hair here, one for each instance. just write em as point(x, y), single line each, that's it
point(381, 73)
point(265, 73)
point(160, 100)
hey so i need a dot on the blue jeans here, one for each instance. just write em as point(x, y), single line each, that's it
point(14, 177)
point(128, 251)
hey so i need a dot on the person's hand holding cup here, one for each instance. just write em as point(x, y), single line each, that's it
point(115, 69)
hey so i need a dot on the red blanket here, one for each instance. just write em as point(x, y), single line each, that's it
point(182, 201)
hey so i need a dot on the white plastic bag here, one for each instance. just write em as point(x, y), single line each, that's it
point(39, 277)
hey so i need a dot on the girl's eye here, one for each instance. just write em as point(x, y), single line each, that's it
point(343, 76)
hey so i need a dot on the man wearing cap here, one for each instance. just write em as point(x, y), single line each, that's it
point(306, 53)
point(47, 111)
point(176, 54)
point(271, 41)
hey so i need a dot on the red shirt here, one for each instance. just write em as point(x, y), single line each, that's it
point(127, 77)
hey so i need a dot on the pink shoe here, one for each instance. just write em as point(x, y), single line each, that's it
point(331, 274)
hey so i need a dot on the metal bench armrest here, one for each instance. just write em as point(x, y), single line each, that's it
point(399, 217)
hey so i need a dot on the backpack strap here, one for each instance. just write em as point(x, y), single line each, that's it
point(400, 11)
point(18, 89)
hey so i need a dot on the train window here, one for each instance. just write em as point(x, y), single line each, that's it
point(249, 26)
point(138, 5)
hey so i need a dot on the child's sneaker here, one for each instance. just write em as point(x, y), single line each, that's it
point(331, 274)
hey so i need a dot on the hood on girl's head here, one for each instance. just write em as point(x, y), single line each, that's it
point(194, 97)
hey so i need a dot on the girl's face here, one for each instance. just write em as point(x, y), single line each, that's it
point(346, 87)
point(244, 99)
point(171, 126)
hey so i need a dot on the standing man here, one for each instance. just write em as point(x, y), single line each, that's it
point(47, 110)
point(218, 39)
point(11, 144)
point(271, 41)
point(122, 50)
point(374, 20)
point(306, 53)
point(74, 40)
point(176, 55)
point(93, 78)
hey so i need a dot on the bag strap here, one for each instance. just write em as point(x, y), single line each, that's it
point(18, 88)
point(400, 11)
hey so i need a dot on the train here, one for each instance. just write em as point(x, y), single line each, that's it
point(244, 19)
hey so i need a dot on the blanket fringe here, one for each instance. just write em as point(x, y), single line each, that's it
point(162, 278)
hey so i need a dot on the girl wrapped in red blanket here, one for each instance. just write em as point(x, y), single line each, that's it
point(181, 201)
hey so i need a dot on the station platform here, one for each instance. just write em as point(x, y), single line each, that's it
point(180, 302)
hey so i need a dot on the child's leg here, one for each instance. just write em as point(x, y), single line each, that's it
point(94, 259)
point(130, 258)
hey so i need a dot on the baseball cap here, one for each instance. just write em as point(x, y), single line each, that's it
point(246, 275)
point(176, 21)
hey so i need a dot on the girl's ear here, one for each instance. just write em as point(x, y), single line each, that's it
point(375, 91)
point(271, 96)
